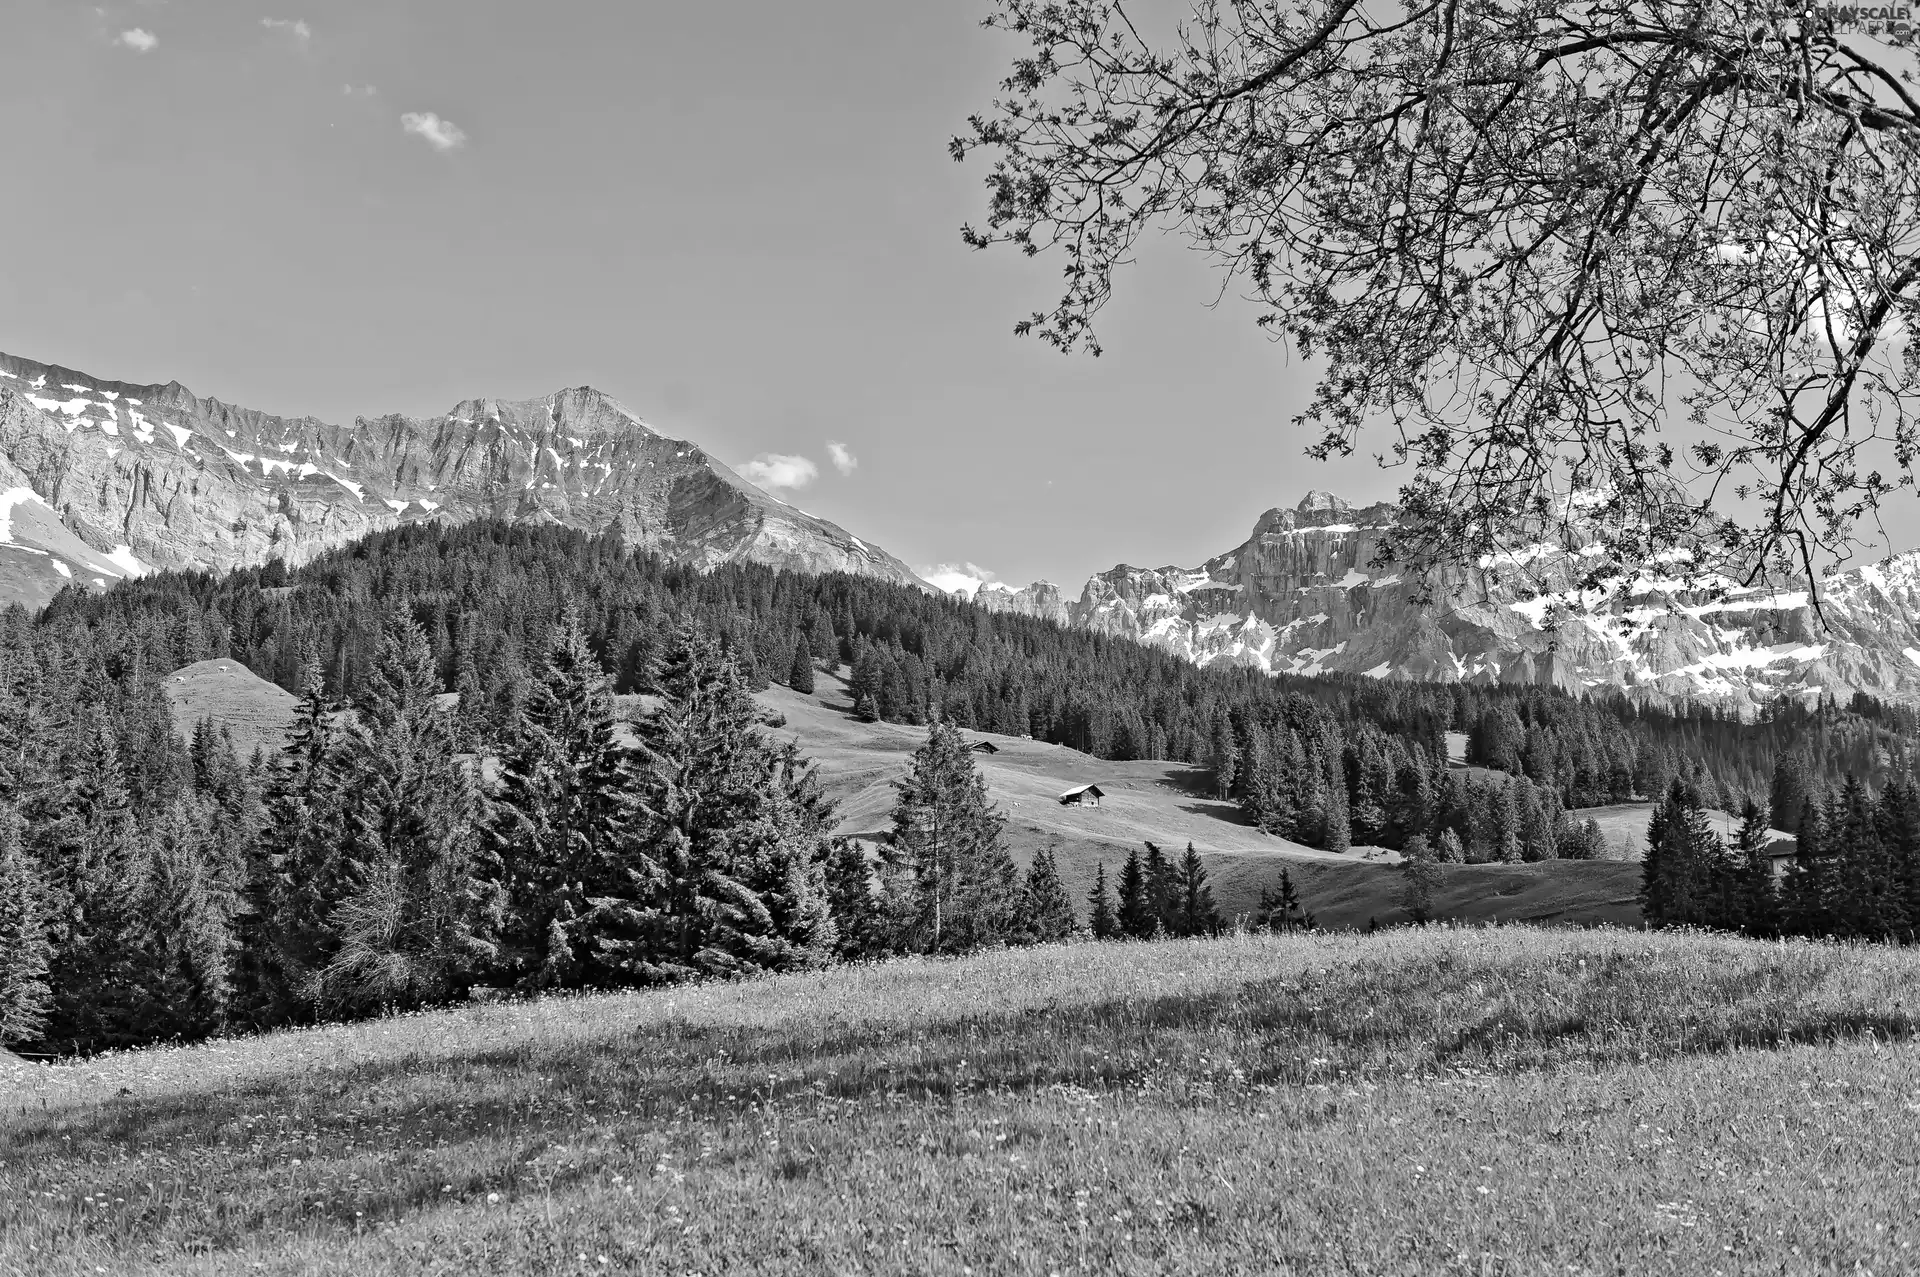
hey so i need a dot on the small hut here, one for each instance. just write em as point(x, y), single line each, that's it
point(984, 747)
point(1084, 796)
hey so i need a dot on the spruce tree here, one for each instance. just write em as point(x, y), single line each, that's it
point(1163, 892)
point(420, 916)
point(300, 871)
point(800, 672)
point(186, 938)
point(25, 949)
point(563, 819)
point(1448, 849)
point(859, 915)
point(1049, 913)
point(94, 973)
point(1282, 909)
point(1198, 915)
point(1758, 908)
point(731, 879)
point(952, 841)
point(1101, 919)
point(1137, 916)
point(1420, 878)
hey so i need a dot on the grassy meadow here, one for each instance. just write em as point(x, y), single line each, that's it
point(1509, 1100)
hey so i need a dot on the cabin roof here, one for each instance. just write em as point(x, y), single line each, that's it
point(1090, 790)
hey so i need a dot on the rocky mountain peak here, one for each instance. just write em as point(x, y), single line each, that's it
point(139, 477)
point(1304, 595)
point(1317, 502)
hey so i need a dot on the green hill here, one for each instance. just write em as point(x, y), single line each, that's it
point(1498, 1101)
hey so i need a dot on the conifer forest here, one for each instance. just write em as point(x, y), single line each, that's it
point(533, 832)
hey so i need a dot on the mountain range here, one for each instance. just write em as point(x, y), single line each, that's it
point(102, 480)
point(1305, 594)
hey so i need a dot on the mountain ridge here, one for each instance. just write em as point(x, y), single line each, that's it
point(118, 478)
point(1303, 595)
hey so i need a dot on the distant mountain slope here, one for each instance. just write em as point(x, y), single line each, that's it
point(1302, 595)
point(105, 479)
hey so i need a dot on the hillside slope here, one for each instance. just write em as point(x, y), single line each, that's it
point(1571, 1102)
point(1165, 803)
point(1170, 804)
point(139, 477)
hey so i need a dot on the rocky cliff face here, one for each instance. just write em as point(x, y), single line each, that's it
point(1303, 596)
point(101, 479)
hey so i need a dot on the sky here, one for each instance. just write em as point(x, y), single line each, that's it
point(738, 217)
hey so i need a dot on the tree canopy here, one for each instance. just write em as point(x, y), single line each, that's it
point(1626, 274)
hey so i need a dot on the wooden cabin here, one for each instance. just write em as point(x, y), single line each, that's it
point(984, 747)
point(1084, 796)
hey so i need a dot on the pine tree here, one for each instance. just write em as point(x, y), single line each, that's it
point(1049, 913)
point(1282, 909)
point(563, 822)
point(732, 877)
point(1758, 908)
point(94, 973)
point(186, 938)
point(1420, 878)
point(1137, 916)
point(25, 949)
point(800, 673)
point(418, 919)
point(953, 842)
point(1163, 892)
point(1198, 915)
point(1101, 919)
point(299, 872)
point(1224, 757)
point(861, 923)
point(1448, 849)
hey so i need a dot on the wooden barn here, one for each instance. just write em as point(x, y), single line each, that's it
point(1084, 796)
point(984, 747)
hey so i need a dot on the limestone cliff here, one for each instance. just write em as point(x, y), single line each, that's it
point(104, 479)
point(1303, 595)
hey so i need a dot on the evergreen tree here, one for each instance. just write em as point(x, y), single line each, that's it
point(1049, 913)
point(563, 822)
point(1198, 915)
point(1137, 916)
point(1420, 878)
point(25, 949)
point(419, 917)
point(1163, 892)
point(186, 938)
point(862, 927)
point(1448, 849)
point(1223, 757)
point(953, 842)
point(732, 878)
point(1101, 919)
point(1282, 909)
point(1758, 910)
point(800, 672)
point(94, 974)
point(299, 874)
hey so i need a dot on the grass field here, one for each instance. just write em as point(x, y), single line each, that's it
point(1511, 1100)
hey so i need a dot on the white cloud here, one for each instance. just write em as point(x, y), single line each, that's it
point(843, 459)
point(363, 91)
point(958, 578)
point(773, 470)
point(441, 135)
point(139, 39)
point(295, 27)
